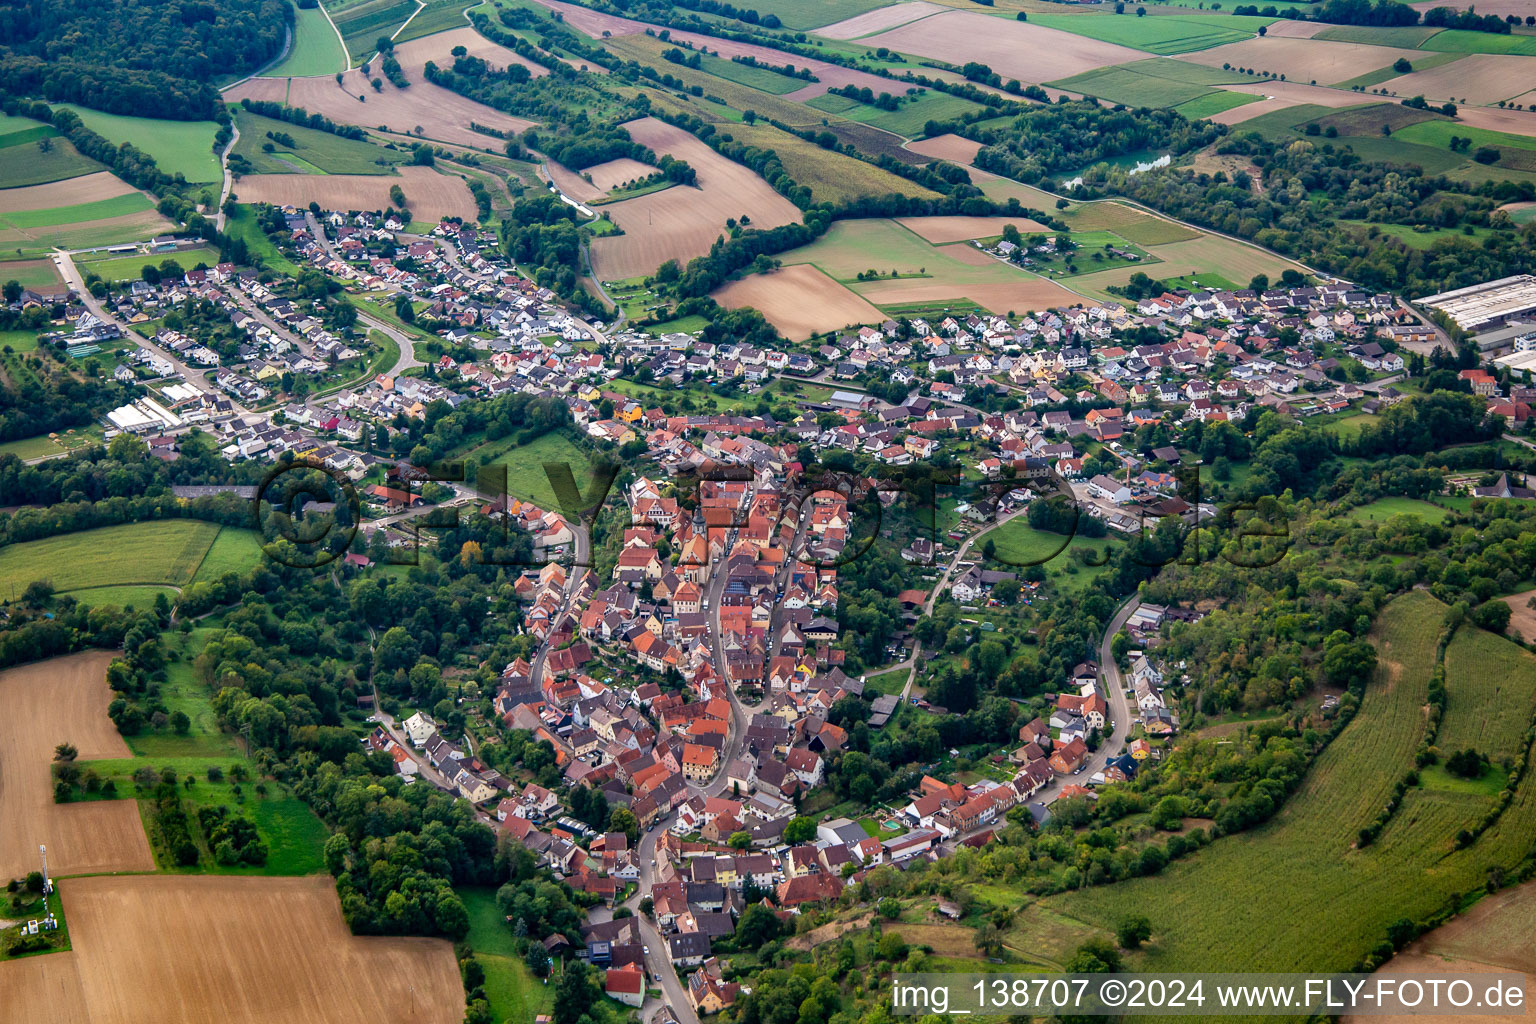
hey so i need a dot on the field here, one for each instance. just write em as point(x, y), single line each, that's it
point(799, 300)
point(1382, 509)
point(940, 230)
point(1408, 36)
point(429, 194)
point(442, 115)
point(526, 478)
point(362, 24)
point(164, 552)
point(614, 173)
point(1217, 102)
point(1016, 543)
point(438, 48)
point(179, 147)
point(312, 149)
point(28, 165)
point(1014, 49)
point(572, 183)
point(1489, 700)
point(92, 209)
point(1517, 150)
point(681, 223)
point(1304, 60)
point(237, 950)
point(879, 20)
point(907, 120)
point(1314, 901)
point(752, 76)
point(512, 990)
point(1479, 78)
point(953, 148)
point(1208, 254)
point(41, 705)
point(126, 268)
point(39, 275)
point(233, 550)
point(1178, 33)
point(831, 177)
point(314, 50)
point(1463, 41)
point(1522, 618)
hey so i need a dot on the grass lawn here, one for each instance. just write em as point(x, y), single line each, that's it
point(163, 552)
point(525, 464)
point(888, 682)
point(18, 340)
point(17, 131)
point(1202, 281)
point(315, 50)
point(327, 153)
point(907, 119)
point(1385, 508)
point(510, 987)
point(27, 165)
point(129, 268)
point(1176, 33)
point(686, 324)
point(1016, 543)
point(263, 250)
point(233, 550)
point(179, 147)
point(183, 691)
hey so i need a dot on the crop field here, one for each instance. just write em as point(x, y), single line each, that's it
point(1304, 60)
point(939, 230)
point(28, 165)
point(1294, 893)
point(16, 130)
point(1176, 33)
point(315, 50)
point(1207, 253)
point(437, 16)
point(438, 48)
point(953, 148)
point(237, 950)
point(1158, 82)
point(573, 184)
point(39, 275)
point(1492, 701)
point(907, 120)
point(1457, 40)
point(1014, 49)
point(880, 19)
point(430, 195)
point(1211, 103)
point(1479, 78)
point(327, 153)
point(443, 116)
point(681, 223)
point(179, 147)
point(799, 300)
point(614, 173)
point(163, 552)
point(87, 188)
point(1407, 36)
point(754, 77)
point(831, 177)
point(93, 209)
point(42, 705)
point(362, 24)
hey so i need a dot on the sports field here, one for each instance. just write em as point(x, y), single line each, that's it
point(1295, 893)
point(43, 704)
point(179, 147)
point(315, 50)
point(236, 950)
point(1176, 33)
point(164, 552)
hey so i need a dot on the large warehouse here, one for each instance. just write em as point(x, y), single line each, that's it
point(1486, 305)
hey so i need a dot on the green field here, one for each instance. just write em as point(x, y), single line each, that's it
point(1214, 103)
point(233, 550)
point(315, 50)
point(525, 464)
point(117, 206)
point(888, 682)
point(1490, 698)
point(1383, 509)
point(437, 16)
point(907, 120)
point(832, 177)
point(1408, 37)
point(362, 24)
point(1412, 237)
point(1016, 543)
point(128, 268)
point(755, 77)
point(18, 131)
point(179, 147)
point(127, 596)
point(1517, 151)
point(1324, 902)
point(28, 165)
point(40, 274)
point(313, 151)
point(164, 552)
point(1456, 40)
point(1174, 33)
point(242, 224)
point(510, 987)
point(798, 14)
point(1151, 83)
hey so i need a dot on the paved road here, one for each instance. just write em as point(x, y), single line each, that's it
point(229, 179)
point(582, 552)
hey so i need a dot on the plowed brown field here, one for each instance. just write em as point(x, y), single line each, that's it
point(681, 223)
point(438, 49)
point(429, 195)
point(939, 230)
point(947, 147)
point(1014, 49)
point(800, 301)
point(88, 188)
point(62, 700)
point(187, 949)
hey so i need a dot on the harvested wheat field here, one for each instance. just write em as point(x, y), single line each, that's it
point(429, 195)
point(682, 222)
point(438, 49)
point(572, 183)
point(800, 301)
point(1303, 60)
point(610, 175)
point(1516, 122)
point(951, 147)
point(1289, 94)
point(1478, 78)
point(1014, 49)
point(61, 700)
point(88, 188)
point(880, 19)
point(1502, 8)
point(1284, 29)
point(189, 949)
point(1521, 617)
point(958, 229)
point(1026, 293)
point(442, 115)
point(43, 989)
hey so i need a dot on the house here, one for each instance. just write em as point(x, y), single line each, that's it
point(626, 984)
point(688, 948)
point(1069, 757)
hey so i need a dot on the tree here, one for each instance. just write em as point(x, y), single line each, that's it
point(800, 830)
point(758, 926)
point(889, 908)
point(622, 819)
point(180, 723)
point(404, 310)
point(739, 840)
point(1133, 931)
point(575, 993)
point(65, 752)
point(1402, 66)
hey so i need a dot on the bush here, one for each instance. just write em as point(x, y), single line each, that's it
point(1486, 155)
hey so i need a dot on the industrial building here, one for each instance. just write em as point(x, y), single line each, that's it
point(1487, 305)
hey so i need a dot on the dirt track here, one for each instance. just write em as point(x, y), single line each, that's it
point(42, 705)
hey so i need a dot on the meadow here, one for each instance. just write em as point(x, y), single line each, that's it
point(1455, 40)
point(753, 77)
point(163, 552)
point(179, 147)
point(314, 50)
point(1168, 34)
point(233, 550)
point(526, 478)
point(1383, 509)
point(128, 268)
point(326, 153)
point(28, 165)
point(1490, 698)
point(510, 987)
point(1295, 893)
point(362, 24)
point(1163, 84)
point(906, 120)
